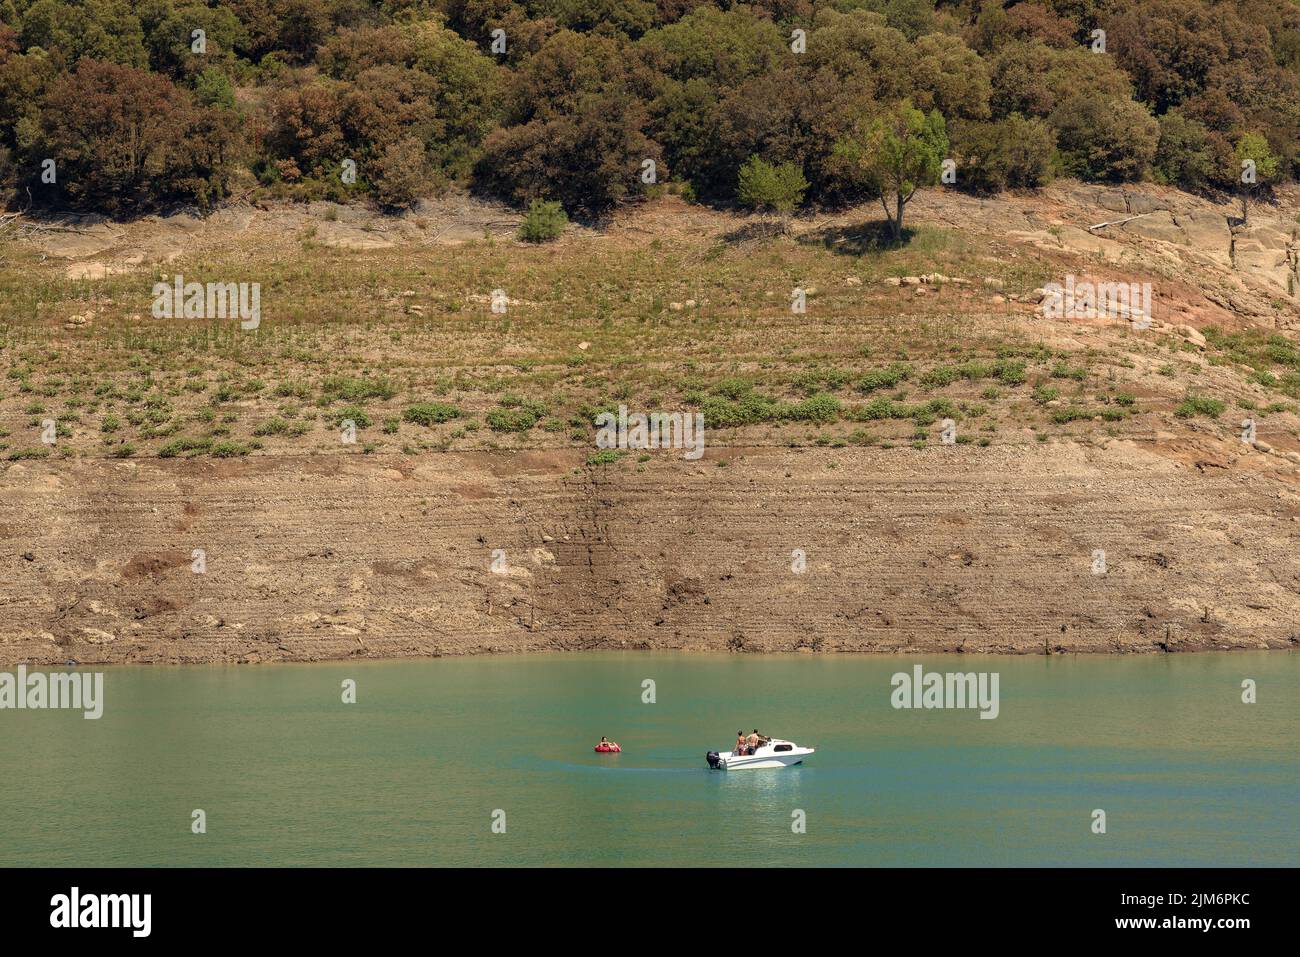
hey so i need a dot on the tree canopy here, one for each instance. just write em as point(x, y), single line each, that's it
point(567, 100)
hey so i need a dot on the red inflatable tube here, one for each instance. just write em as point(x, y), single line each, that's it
point(607, 748)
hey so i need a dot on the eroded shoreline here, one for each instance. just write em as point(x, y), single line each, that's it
point(336, 557)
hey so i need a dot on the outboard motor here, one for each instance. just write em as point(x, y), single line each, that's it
point(712, 758)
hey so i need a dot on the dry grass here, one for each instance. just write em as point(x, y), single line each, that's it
point(670, 319)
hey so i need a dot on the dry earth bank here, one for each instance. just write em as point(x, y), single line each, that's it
point(1077, 435)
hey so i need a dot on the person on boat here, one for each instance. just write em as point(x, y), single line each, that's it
point(752, 741)
point(741, 746)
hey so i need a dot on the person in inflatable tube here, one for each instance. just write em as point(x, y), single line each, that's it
point(607, 745)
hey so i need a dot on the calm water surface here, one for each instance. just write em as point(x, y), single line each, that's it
point(412, 773)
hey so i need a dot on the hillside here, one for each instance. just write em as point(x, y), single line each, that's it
point(823, 433)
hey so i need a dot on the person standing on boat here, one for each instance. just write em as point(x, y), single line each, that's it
point(741, 747)
point(752, 741)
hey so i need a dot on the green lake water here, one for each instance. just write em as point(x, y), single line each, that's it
point(412, 773)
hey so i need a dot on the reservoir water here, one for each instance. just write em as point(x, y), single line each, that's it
point(417, 771)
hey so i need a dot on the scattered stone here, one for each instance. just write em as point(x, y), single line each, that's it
point(1189, 333)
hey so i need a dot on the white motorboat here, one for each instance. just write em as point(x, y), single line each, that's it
point(774, 754)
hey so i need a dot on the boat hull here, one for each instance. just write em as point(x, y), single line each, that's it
point(756, 763)
point(767, 758)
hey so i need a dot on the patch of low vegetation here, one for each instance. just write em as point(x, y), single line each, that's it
point(430, 413)
point(1194, 405)
point(515, 414)
point(355, 414)
point(887, 378)
point(280, 426)
point(34, 452)
point(189, 445)
point(350, 389)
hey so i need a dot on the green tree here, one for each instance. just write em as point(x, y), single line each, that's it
point(1012, 152)
point(1183, 156)
point(1105, 138)
point(894, 155)
point(126, 140)
point(1258, 164)
point(401, 173)
point(768, 188)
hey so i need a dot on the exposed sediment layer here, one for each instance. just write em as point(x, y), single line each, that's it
point(350, 555)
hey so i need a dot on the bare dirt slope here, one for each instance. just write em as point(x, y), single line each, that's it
point(974, 550)
point(316, 550)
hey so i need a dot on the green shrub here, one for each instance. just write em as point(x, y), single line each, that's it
point(545, 221)
point(1199, 405)
point(511, 420)
point(183, 446)
point(357, 389)
point(883, 378)
point(358, 415)
point(1071, 413)
point(430, 413)
point(765, 187)
point(296, 390)
point(40, 452)
point(733, 388)
point(273, 426)
point(721, 412)
point(823, 407)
